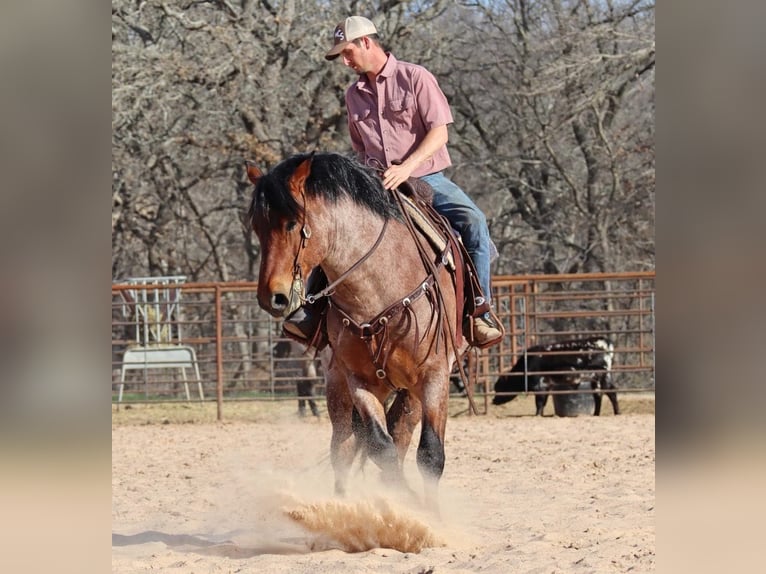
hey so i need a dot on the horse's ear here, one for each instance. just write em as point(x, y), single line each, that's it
point(300, 175)
point(253, 173)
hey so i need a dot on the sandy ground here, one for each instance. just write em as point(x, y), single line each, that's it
point(519, 494)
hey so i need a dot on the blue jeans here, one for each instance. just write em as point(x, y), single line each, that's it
point(468, 220)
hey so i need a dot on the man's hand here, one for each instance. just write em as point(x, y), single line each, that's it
point(400, 172)
point(395, 175)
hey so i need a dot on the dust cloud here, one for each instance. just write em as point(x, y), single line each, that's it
point(252, 507)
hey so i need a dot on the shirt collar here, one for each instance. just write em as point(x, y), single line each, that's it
point(363, 83)
point(389, 67)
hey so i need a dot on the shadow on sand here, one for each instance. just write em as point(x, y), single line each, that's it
point(198, 545)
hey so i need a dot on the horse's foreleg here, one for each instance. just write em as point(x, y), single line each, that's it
point(379, 444)
point(373, 431)
point(401, 419)
point(344, 444)
point(431, 447)
point(343, 447)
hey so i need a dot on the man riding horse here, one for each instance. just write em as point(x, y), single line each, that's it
point(397, 118)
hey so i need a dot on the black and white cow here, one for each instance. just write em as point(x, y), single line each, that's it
point(574, 359)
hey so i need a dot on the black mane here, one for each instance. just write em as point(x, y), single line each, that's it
point(332, 176)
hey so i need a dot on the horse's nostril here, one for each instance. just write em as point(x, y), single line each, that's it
point(279, 301)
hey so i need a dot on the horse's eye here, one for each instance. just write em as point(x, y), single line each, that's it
point(290, 225)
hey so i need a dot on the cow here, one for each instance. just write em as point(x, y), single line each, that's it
point(566, 363)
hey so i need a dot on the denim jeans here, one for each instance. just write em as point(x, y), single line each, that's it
point(468, 220)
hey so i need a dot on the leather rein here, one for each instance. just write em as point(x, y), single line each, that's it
point(330, 289)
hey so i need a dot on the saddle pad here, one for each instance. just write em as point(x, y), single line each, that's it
point(434, 235)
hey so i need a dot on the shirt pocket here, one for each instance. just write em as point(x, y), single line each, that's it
point(401, 110)
point(364, 124)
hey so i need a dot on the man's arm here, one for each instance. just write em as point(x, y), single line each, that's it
point(434, 140)
point(357, 143)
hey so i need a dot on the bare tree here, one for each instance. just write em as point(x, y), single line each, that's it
point(555, 122)
point(196, 89)
point(553, 102)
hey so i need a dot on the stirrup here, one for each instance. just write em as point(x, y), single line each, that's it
point(469, 331)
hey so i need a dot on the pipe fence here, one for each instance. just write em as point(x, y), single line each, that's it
point(177, 341)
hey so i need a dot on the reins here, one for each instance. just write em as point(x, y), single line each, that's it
point(431, 267)
point(330, 289)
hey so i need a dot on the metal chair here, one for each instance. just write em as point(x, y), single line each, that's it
point(154, 306)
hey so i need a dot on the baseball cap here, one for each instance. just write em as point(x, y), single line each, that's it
point(347, 31)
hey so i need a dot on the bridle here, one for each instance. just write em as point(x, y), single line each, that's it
point(330, 289)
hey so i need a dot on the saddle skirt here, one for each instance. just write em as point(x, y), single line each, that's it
point(416, 200)
point(435, 236)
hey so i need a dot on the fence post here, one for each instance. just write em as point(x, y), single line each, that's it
point(218, 354)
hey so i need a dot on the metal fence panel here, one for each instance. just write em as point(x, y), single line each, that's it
point(234, 341)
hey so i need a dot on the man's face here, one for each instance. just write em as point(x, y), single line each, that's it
point(355, 56)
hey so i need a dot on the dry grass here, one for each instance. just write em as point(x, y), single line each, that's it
point(277, 411)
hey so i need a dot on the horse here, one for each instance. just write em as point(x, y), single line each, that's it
point(392, 318)
point(562, 365)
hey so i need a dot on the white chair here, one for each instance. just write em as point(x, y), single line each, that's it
point(154, 306)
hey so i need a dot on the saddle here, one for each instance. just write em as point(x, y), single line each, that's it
point(418, 200)
point(436, 236)
point(417, 189)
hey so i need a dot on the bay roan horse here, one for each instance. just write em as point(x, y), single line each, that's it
point(391, 319)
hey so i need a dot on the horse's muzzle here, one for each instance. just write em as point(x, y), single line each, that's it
point(280, 303)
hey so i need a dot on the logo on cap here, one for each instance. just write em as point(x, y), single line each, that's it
point(339, 35)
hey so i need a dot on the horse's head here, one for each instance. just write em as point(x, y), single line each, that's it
point(278, 215)
point(295, 212)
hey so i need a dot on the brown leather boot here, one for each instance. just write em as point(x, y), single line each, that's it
point(485, 331)
point(301, 324)
point(305, 325)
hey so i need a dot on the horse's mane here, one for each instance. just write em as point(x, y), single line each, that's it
point(332, 176)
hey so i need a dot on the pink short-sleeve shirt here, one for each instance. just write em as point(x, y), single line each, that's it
point(389, 120)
